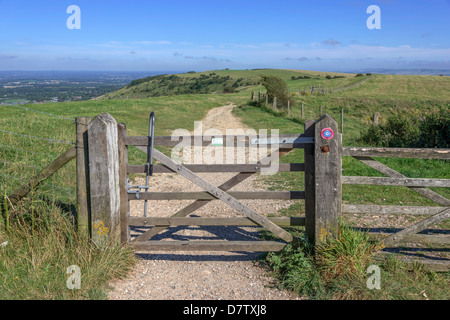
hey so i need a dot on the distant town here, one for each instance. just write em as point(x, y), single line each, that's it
point(25, 87)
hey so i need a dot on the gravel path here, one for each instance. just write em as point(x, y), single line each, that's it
point(202, 275)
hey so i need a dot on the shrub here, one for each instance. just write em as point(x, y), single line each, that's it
point(276, 87)
point(294, 267)
point(319, 272)
point(432, 131)
point(229, 89)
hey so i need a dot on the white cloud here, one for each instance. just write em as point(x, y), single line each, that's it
point(151, 43)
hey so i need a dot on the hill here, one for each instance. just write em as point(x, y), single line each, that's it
point(33, 136)
point(222, 81)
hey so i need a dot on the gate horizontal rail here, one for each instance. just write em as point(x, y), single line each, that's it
point(282, 140)
point(202, 195)
point(201, 221)
point(281, 167)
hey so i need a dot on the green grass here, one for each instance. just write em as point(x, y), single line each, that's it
point(42, 241)
point(337, 270)
point(266, 118)
point(26, 269)
point(332, 274)
point(41, 244)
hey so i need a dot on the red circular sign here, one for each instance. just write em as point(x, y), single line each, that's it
point(327, 133)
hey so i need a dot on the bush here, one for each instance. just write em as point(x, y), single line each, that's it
point(295, 269)
point(276, 87)
point(319, 272)
point(229, 89)
point(432, 131)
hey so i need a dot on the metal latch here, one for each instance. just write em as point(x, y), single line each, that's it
point(281, 141)
point(139, 188)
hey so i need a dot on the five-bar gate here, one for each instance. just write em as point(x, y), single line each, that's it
point(110, 194)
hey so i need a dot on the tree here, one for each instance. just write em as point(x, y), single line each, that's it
point(276, 87)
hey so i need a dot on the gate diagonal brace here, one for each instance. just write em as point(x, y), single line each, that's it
point(222, 195)
point(227, 185)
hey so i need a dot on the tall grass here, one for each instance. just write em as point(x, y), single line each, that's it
point(337, 269)
point(40, 242)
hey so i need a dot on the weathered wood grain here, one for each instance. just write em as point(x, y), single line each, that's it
point(207, 245)
point(104, 178)
point(430, 194)
point(417, 153)
point(383, 210)
point(327, 180)
point(279, 195)
point(124, 203)
point(282, 167)
point(403, 182)
point(82, 174)
point(235, 180)
point(417, 227)
point(43, 175)
point(224, 196)
point(201, 221)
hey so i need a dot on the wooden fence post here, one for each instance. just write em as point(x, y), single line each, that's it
point(104, 178)
point(323, 175)
point(124, 203)
point(309, 183)
point(375, 118)
point(82, 174)
point(274, 103)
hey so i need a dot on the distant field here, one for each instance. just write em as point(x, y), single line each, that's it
point(215, 82)
point(385, 94)
point(26, 145)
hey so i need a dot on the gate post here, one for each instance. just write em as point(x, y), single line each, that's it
point(82, 174)
point(104, 178)
point(323, 172)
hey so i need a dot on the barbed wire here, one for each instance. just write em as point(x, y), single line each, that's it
point(19, 163)
point(41, 138)
point(30, 151)
point(42, 112)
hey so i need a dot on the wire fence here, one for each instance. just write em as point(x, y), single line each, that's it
point(29, 141)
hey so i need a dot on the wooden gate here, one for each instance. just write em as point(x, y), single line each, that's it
point(110, 197)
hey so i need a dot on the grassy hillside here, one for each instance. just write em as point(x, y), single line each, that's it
point(25, 148)
point(224, 81)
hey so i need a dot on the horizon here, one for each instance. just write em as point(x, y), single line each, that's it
point(412, 71)
point(201, 35)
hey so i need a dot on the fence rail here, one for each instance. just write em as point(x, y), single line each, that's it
point(419, 185)
point(103, 168)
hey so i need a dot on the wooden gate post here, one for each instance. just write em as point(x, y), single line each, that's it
point(323, 172)
point(82, 174)
point(104, 178)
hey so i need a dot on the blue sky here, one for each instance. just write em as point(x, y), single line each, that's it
point(200, 35)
